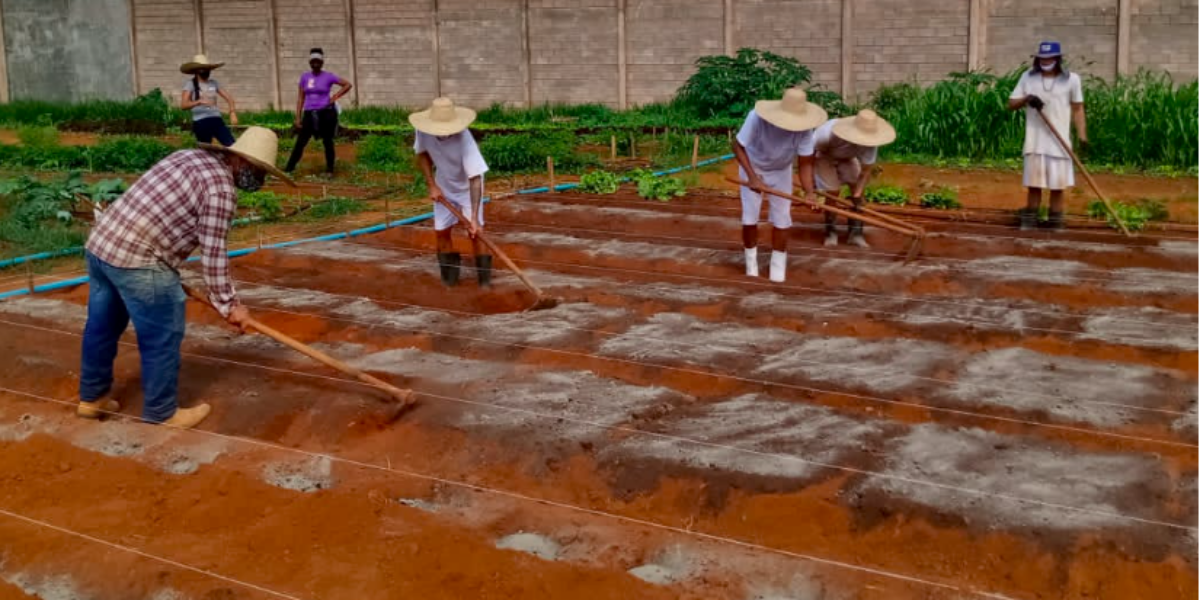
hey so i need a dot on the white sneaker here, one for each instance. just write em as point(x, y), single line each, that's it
point(859, 241)
point(778, 266)
point(752, 262)
point(830, 239)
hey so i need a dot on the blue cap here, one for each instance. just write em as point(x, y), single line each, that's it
point(1049, 50)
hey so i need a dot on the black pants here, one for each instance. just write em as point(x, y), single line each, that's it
point(322, 123)
point(212, 127)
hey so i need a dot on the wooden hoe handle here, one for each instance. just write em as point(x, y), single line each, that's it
point(495, 249)
point(1082, 169)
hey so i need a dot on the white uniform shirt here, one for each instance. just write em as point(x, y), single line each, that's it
point(1058, 93)
point(830, 146)
point(770, 148)
point(456, 159)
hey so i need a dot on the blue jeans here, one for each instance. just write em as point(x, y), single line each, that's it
point(153, 298)
point(212, 127)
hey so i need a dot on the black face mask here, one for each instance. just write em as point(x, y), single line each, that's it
point(249, 179)
point(204, 73)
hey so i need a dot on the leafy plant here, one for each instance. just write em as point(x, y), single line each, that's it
point(729, 85)
point(266, 204)
point(335, 206)
point(37, 214)
point(1135, 216)
point(657, 188)
point(38, 135)
point(599, 182)
point(886, 194)
point(943, 199)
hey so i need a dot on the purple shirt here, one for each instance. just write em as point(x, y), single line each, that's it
point(316, 89)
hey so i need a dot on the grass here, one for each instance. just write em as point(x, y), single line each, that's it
point(332, 208)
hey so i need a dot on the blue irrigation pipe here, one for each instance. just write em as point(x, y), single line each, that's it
point(333, 236)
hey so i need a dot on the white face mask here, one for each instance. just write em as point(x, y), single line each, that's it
point(1048, 67)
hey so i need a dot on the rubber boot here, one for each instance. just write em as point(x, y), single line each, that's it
point(1056, 222)
point(449, 263)
point(187, 418)
point(97, 409)
point(830, 231)
point(1027, 219)
point(752, 262)
point(856, 234)
point(778, 266)
point(483, 269)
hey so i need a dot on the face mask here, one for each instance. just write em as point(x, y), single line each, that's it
point(249, 179)
point(204, 74)
point(1048, 67)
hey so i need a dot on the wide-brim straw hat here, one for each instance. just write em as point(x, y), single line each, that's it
point(442, 118)
point(257, 145)
point(865, 129)
point(199, 62)
point(793, 113)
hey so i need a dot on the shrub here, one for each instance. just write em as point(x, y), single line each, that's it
point(599, 182)
point(943, 199)
point(886, 194)
point(728, 86)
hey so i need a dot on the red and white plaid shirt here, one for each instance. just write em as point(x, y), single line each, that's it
point(186, 200)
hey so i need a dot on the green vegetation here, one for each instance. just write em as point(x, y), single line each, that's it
point(265, 204)
point(147, 114)
point(1145, 120)
point(886, 194)
point(657, 188)
point(335, 206)
point(527, 152)
point(1135, 215)
point(599, 182)
point(728, 86)
point(385, 153)
point(943, 199)
point(38, 216)
point(113, 154)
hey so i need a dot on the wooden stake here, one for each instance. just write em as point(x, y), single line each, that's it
point(613, 151)
point(632, 147)
point(550, 168)
point(387, 212)
point(258, 232)
point(324, 192)
point(695, 151)
point(29, 273)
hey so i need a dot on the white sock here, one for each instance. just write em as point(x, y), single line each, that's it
point(778, 266)
point(752, 262)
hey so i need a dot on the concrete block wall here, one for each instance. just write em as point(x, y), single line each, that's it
point(807, 30)
point(663, 40)
point(1156, 23)
point(236, 32)
point(901, 40)
point(1086, 28)
point(394, 44)
point(166, 37)
point(482, 51)
point(573, 51)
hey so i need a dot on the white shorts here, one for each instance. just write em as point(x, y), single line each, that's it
point(444, 219)
point(780, 212)
point(1049, 172)
point(830, 174)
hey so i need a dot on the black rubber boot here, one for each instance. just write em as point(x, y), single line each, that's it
point(830, 229)
point(856, 234)
point(483, 268)
point(1056, 222)
point(1027, 219)
point(449, 263)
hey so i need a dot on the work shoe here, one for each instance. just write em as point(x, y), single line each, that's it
point(187, 418)
point(778, 266)
point(856, 235)
point(752, 262)
point(1027, 219)
point(100, 408)
point(831, 239)
point(1056, 222)
point(449, 263)
point(483, 270)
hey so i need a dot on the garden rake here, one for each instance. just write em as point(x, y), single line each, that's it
point(917, 234)
point(402, 399)
point(543, 301)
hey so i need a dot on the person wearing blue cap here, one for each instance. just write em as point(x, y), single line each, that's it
point(1058, 94)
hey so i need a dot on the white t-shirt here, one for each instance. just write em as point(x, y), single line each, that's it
point(771, 148)
point(456, 159)
point(831, 146)
point(1058, 93)
point(208, 91)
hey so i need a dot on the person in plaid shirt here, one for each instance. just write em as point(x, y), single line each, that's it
point(184, 202)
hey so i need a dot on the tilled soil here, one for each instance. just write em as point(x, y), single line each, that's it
point(1012, 416)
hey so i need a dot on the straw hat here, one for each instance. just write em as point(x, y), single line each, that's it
point(199, 62)
point(442, 118)
point(865, 129)
point(793, 113)
point(259, 146)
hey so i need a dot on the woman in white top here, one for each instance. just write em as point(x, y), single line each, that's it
point(1058, 94)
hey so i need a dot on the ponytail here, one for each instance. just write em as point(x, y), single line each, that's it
point(195, 87)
